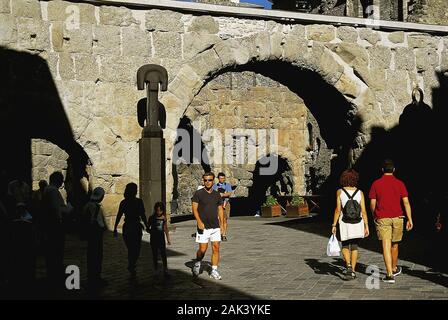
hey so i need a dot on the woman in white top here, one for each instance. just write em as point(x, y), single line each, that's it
point(350, 233)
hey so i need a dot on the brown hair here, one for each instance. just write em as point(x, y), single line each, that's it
point(349, 178)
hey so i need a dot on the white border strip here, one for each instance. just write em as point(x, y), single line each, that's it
point(276, 15)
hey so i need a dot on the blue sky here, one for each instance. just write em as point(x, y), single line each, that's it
point(264, 3)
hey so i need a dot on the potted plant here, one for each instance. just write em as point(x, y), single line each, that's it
point(270, 208)
point(298, 207)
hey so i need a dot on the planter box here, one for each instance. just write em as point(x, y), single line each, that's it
point(271, 212)
point(297, 211)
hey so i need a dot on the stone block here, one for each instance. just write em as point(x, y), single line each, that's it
point(322, 33)
point(120, 68)
point(422, 40)
point(33, 34)
point(257, 123)
point(204, 24)
point(8, 29)
point(86, 67)
point(206, 63)
point(347, 34)
point(136, 42)
point(167, 45)
point(79, 40)
point(277, 40)
point(117, 16)
point(351, 53)
point(26, 9)
point(195, 43)
point(298, 31)
point(404, 59)
point(294, 48)
point(66, 66)
point(4, 6)
point(380, 57)
point(369, 35)
point(164, 20)
point(71, 13)
point(426, 59)
point(106, 40)
point(230, 53)
point(396, 37)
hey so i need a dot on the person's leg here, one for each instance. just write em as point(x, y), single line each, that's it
point(162, 249)
point(384, 232)
point(201, 251)
point(354, 253)
point(346, 252)
point(387, 244)
point(154, 249)
point(138, 244)
point(226, 219)
point(394, 254)
point(397, 235)
point(215, 254)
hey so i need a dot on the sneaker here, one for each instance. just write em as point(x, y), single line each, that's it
point(347, 273)
point(215, 274)
point(389, 279)
point(397, 272)
point(353, 274)
point(223, 238)
point(196, 268)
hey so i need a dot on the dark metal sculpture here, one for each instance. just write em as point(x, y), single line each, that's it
point(152, 75)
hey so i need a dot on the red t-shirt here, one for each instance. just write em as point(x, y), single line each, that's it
point(388, 192)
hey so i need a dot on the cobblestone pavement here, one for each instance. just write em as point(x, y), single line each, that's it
point(265, 258)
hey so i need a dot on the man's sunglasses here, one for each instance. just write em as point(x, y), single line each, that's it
point(208, 180)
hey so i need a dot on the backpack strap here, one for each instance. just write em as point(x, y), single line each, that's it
point(348, 195)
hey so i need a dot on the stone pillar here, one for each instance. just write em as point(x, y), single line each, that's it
point(151, 145)
point(152, 172)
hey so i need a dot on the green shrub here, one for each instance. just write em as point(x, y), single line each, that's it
point(297, 200)
point(270, 201)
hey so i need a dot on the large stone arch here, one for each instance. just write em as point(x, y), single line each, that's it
point(263, 47)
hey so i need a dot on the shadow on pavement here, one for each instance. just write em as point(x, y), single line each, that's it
point(415, 247)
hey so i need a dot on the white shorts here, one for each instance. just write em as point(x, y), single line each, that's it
point(209, 234)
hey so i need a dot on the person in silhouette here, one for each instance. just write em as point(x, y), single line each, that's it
point(54, 207)
point(386, 195)
point(134, 211)
point(93, 214)
point(158, 229)
point(37, 210)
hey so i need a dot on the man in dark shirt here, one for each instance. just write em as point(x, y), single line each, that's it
point(209, 214)
point(385, 196)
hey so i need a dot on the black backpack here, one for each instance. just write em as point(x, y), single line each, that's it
point(351, 213)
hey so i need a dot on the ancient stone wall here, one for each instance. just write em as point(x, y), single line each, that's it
point(94, 51)
point(429, 11)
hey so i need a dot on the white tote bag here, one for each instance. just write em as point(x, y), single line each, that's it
point(333, 249)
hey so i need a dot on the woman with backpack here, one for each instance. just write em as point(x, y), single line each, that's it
point(351, 215)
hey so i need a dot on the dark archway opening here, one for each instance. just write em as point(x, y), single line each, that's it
point(278, 184)
point(190, 159)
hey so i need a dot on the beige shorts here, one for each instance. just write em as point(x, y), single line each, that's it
point(390, 228)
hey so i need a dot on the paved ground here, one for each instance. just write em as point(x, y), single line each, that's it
point(265, 258)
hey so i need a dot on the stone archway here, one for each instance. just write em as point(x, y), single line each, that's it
point(262, 47)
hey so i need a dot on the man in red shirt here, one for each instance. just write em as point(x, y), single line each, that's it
point(385, 196)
